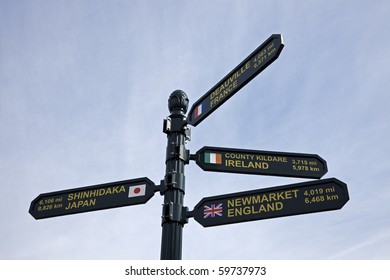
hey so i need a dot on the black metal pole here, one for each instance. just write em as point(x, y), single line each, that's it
point(174, 213)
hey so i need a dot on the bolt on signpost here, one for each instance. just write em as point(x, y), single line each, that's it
point(302, 198)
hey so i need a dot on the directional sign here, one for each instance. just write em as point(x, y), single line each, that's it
point(261, 162)
point(288, 200)
point(256, 62)
point(92, 198)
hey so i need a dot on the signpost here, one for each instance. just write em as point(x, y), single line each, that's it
point(295, 199)
point(256, 62)
point(260, 162)
point(92, 198)
point(302, 198)
point(173, 213)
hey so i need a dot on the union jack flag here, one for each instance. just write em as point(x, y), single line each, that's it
point(212, 210)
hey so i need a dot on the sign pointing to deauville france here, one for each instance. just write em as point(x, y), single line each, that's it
point(288, 200)
point(92, 198)
point(256, 62)
point(242, 161)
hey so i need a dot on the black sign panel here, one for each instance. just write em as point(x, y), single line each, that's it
point(288, 200)
point(261, 162)
point(256, 62)
point(92, 198)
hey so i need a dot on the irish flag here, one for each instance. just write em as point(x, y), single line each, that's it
point(213, 158)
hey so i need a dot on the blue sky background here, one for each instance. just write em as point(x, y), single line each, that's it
point(84, 88)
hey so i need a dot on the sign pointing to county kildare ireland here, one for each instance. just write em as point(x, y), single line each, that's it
point(256, 62)
point(288, 200)
point(92, 198)
point(261, 162)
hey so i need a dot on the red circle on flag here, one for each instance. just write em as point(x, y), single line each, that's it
point(137, 190)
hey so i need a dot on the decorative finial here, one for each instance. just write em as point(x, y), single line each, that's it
point(178, 102)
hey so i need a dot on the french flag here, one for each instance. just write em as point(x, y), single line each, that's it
point(198, 111)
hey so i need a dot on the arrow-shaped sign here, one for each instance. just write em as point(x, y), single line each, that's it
point(92, 198)
point(256, 62)
point(288, 200)
point(261, 162)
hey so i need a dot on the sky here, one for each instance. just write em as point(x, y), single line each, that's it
point(84, 87)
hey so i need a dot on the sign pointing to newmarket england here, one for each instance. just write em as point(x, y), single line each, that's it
point(256, 62)
point(261, 162)
point(288, 200)
point(92, 198)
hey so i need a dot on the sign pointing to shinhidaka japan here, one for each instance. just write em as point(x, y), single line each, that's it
point(288, 200)
point(261, 162)
point(92, 198)
point(256, 62)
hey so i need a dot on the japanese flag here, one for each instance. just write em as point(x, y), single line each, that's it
point(137, 190)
